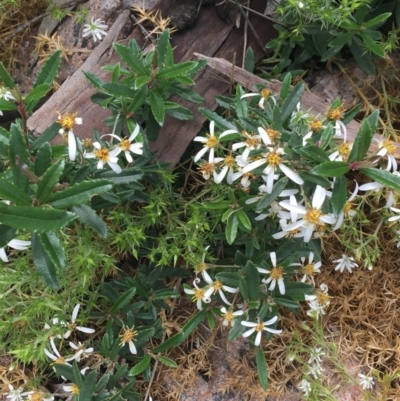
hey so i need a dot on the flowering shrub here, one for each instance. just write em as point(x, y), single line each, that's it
point(276, 183)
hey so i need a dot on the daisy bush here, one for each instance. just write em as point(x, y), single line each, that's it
point(114, 243)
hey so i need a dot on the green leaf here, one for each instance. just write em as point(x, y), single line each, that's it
point(372, 45)
point(286, 86)
point(6, 77)
point(331, 169)
point(52, 246)
point(6, 105)
point(341, 40)
point(229, 278)
point(262, 368)
point(287, 303)
point(138, 99)
point(126, 176)
point(176, 70)
point(363, 59)
point(49, 180)
point(331, 52)
point(10, 192)
point(47, 135)
point(163, 46)
point(252, 280)
point(49, 70)
point(88, 217)
point(18, 145)
point(157, 107)
point(123, 300)
point(364, 137)
point(244, 220)
point(37, 93)
point(188, 94)
point(43, 159)
point(290, 103)
point(297, 290)
point(220, 122)
point(267, 199)
point(180, 113)
point(249, 60)
point(231, 228)
point(102, 383)
point(238, 329)
point(118, 89)
point(315, 179)
point(43, 264)
point(187, 329)
point(339, 195)
point(312, 152)
point(79, 193)
point(241, 106)
point(93, 80)
point(140, 81)
point(6, 234)
point(167, 361)
point(131, 59)
point(141, 366)
point(384, 177)
point(32, 219)
point(89, 384)
point(377, 20)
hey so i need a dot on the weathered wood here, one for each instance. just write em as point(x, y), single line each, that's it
point(210, 36)
point(309, 100)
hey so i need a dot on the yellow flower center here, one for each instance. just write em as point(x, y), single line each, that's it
point(260, 326)
point(36, 396)
point(212, 141)
point(322, 298)
point(198, 293)
point(59, 361)
point(87, 143)
point(347, 207)
point(230, 161)
point(309, 269)
point(229, 316)
point(336, 113)
point(128, 335)
point(315, 125)
point(74, 389)
point(292, 233)
point(344, 149)
point(67, 121)
point(390, 147)
point(265, 93)
point(277, 273)
point(207, 168)
point(273, 134)
point(274, 159)
point(102, 154)
point(201, 267)
point(312, 216)
point(125, 144)
point(217, 285)
point(252, 142)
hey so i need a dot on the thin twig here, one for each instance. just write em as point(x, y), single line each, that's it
point(22, 27)
point(245, 37)
point(246, 18)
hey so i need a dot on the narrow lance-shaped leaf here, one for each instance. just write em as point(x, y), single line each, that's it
point(331, 169)
point(252, 279)
point(79, 193)
point(52, 246)
point(382, 176)
point(6, 77)
point(7, 233)
point(88, 386)
point(87, 216)
point(49, 70)
point(290, 103)
point(43, 159)
point(364, 137)
point(43, 264)
point(231, 228)
point(12, 193)
point(140, 366)
point(262, 368)
point(49, 180)
point(157, 107)
point(32, 219)
point(339, 195)
point(267, 199)
point(176, 70)
point(123, 300)
point(131, 59)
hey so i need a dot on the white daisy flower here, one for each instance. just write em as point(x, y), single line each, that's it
point(105, 156)
point(305, 387)
point(199, 294)
point(315, 370)
point(366, 382)
point(72, 326)
point(127, 336)
point(6, 94)
point(387, 148)
point(67, 122)
point(16, 394)
point(308, 269)
point(40, 396)
point(251, 142)
point(210, 142)
point(125, 144)
point(315, 355)
point(345, 262)
point(259, 327)
point(397, 217)
point(229, 165)
point(229, 316)
point(80, 351)
point(71, 388)
point(312, 215)
point(96, 28)
point(217, 286)
point(276, 275)
point(265, 94)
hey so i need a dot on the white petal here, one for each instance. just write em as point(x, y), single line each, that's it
point(19, 244)
point(85, 329)
point(281, 286)
point(248, 332)
point(273, 258)
point(71, 146)
point(75, 312)
point(212, 126)
point(115, 167)
point(3, 255)
point(132, 347)
point(248, 324)
point(318, 197)
point(200, 154)
point(254, 165)
point(257, 341)
point(291, 174)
